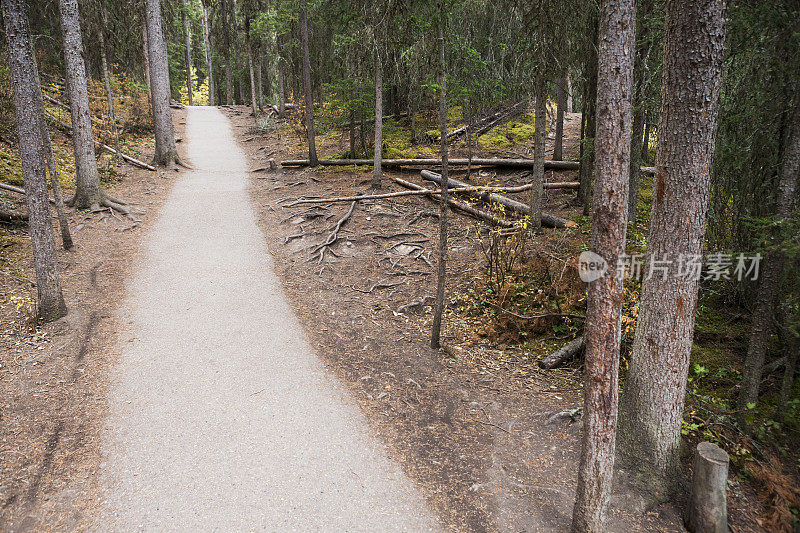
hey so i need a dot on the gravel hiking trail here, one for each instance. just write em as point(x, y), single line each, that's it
point(222, 418)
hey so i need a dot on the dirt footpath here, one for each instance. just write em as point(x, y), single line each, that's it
point(469, 424)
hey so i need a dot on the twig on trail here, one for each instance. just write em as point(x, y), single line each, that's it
point(334, 235)
point(379, 285)
point(422, 214)
point(532, 317)
point(415, 305)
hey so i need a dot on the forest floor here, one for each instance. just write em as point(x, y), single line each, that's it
point(489, 435)
point(53, 377)
point(472, 425)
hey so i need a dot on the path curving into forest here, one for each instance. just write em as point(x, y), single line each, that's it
point(222, 418)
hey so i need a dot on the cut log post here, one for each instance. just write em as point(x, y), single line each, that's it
point(548, 219)
point(708, 508)
point(461, 206)
point(563, 355)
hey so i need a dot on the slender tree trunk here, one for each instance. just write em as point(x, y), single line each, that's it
point(227, 45)
point(87, 184)
point(188, 49)
point(655, 388)
point(468, 132)
point(107, 81)
point(561, 102)
point(145, 52)
point(27, 92)
point(312, 144)
point(47, 148)
point(251, 69)
point(281, 90)
point(165, 152)
point(212, 97)
point(537, 175)
point(442, 263)
point(259, 83)
point(605, 294)
point(377, 173)
point(642, 50)
point(587, 158)
point(771, 270)
point(645, 153)
point(568, 80)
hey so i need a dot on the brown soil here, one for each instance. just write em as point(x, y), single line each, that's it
point(53, 377)
point(469, 423)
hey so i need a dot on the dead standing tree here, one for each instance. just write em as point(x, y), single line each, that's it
point(604, 299)
point(25, 85)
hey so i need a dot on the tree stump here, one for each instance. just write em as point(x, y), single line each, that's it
point(708, 509)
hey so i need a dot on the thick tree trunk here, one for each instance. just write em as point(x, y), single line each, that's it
point(377, 172)
point(107, 80)
point(771, 270)
point(312, 143)
point(212, 97)
point(655, 388)
point(537, 173)
point(561, 102)
point(604, 297)
point(441, 272)
point(188, 52)
point(24, 82)
point(165, 152)
point(87, 182)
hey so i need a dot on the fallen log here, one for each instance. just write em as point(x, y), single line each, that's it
point(489, 122)
point(461, 206)
point(12, 217)
point(11, 188)
point(476, 161)
point(565, 354)
point(548, 219)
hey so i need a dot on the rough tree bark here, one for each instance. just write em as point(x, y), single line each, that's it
point(537, 173)
point(87, 181)
point(165, 151)
point(107, 79)
point(655, 388)
point(561, 102)
point(604, 298)
point(212, 98)
point(377, 172)
point(441, 273)
point(771, 270)
point(188, 51)
point(312, 144)
point(24, 82)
